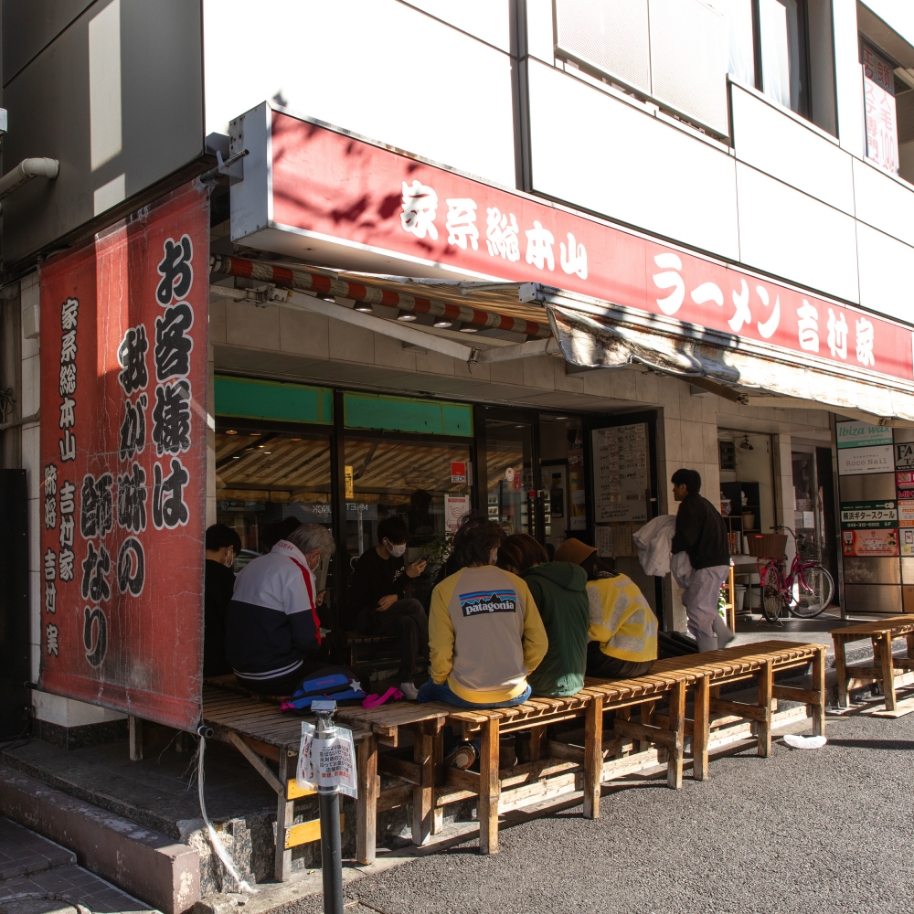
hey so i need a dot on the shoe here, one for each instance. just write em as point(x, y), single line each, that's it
point(410, 692)
point(463, 757)
point(707, 644)
point(724, 633)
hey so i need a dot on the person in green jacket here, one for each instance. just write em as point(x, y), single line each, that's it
point(559, 590)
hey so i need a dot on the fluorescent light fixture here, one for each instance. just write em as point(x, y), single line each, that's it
point(443, 324)
point(406, 316)
point(363, 306)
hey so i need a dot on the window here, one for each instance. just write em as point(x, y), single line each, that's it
point(783, 53)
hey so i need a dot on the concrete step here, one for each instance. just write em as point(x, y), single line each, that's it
point(163, 873)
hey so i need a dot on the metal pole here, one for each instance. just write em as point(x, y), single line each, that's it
point(331, 850)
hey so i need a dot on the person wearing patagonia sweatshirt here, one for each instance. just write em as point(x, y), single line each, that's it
point(485, 632)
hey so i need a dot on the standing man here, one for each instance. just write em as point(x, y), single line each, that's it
point(222, 547)
point(702, 534)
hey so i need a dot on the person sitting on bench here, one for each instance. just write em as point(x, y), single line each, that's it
point(559, 590)
point(222, 547)
point(381, 597)
point(272, 625)
point(485, 632)
point(623, 627)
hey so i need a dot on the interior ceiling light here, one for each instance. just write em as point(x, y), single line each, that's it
point(236, 456)
point(443, 324)
point(406, 316)
point(745, 446)
point(469, 328)
point(363, 306)
point(230, 431)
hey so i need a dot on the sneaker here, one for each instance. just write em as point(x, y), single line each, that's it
point(463, 757)
point(410, 692)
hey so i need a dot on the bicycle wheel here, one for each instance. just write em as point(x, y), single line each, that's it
point(772, 602)
point(812, 591)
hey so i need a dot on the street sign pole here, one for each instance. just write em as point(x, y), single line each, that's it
point(329, 800)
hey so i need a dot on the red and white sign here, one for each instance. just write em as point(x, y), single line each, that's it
point(458, 472)
point(881, 114)
point(876, 543)
point(123, 463)
point(330, 187)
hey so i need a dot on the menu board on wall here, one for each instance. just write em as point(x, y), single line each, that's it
point(620, 473)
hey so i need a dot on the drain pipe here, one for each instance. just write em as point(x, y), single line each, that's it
point(25, 171)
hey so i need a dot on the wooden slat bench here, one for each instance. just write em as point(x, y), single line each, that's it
point(881, 632)
point(759, 661)
point(262, 733)
point(552, 761)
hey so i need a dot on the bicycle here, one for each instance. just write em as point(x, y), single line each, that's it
point(805, 591)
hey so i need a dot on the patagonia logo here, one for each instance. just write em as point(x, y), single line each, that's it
point(499, 601)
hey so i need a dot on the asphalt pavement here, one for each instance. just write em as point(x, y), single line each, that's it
point(826, 830)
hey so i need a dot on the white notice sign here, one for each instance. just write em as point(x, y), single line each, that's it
point(327, 763)
point(861, 460)
point(620, 473)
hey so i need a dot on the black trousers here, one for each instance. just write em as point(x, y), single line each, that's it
point(604, 667)
point(406, 621)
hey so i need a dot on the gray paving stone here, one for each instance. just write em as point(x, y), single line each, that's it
point(23, 852)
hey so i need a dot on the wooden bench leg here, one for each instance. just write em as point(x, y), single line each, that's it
point(135, 729)
point(424, 794)
point(765, 685)
point(536, 743)
point(647, 716)
point(701, 729)
point(887, 668)
point(818, 685)
point(677, 728)
point(841, 672)
point(367, 804)
point(593, 757)
point(489, 788)
point(285, 815)
point(438, 774)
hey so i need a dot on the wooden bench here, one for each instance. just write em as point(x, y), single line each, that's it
point(881, 632)
point(262, 733)
point(553, 761)
point(759, 661)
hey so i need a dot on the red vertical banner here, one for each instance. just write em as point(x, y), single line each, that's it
point(123, 447)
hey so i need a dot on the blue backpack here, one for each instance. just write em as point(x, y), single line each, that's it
point(338, 683)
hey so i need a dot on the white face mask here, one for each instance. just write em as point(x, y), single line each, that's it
point(395, 551)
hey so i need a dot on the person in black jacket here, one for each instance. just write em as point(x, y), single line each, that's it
point(381, 597)
point(702, 534)
point(222, 547)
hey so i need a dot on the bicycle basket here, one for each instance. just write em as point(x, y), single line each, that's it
point(809, 549)
point(767, 545)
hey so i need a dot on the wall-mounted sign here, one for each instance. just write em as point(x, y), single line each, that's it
point(868, 515)
point(881, 112)
point(859, 461)
point(349, 476)
point(123, 448)
point(872, 543)
point(907, 541)
point(456, 507)
point(313, 191)
point(458, 472)
point(904, 456)
point(906, 513)
point(620, 473)
point(861, 434)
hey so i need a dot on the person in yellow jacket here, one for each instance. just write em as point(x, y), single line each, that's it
point(623, 627)
point(485, 632)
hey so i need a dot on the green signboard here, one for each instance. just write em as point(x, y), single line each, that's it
point(244, 398)
point(869, 515)
point(861, 434)
point(405, 414)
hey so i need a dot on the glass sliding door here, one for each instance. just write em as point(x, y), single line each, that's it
point(511, 461)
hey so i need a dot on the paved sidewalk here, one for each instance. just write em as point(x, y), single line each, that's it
point(40, 877)
point(828, 831)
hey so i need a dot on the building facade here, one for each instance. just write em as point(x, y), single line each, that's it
point(522, 258)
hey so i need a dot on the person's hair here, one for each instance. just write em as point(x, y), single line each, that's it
point(394, 529)
point(279, 530)
point(521, 551)
point(596, 568)
point(691, 479)
point(475, 540)
point(308, 537)
point(219, 536)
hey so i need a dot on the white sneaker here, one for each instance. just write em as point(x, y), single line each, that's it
point(410, 692)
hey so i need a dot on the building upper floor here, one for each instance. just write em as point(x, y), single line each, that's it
point(773, 134)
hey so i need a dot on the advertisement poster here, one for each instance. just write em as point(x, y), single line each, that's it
point(455, 508)
point(868, 515)
point(620, 473)
point(861, 434)
point(123, 463)
point(907, 541)
point(904, 456)
point(870, 542)
point(577, 519)
point(906, 513)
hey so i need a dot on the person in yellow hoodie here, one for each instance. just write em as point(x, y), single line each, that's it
point(485, 632)
point(623, 627)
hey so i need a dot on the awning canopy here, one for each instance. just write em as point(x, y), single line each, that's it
point(588, 333)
